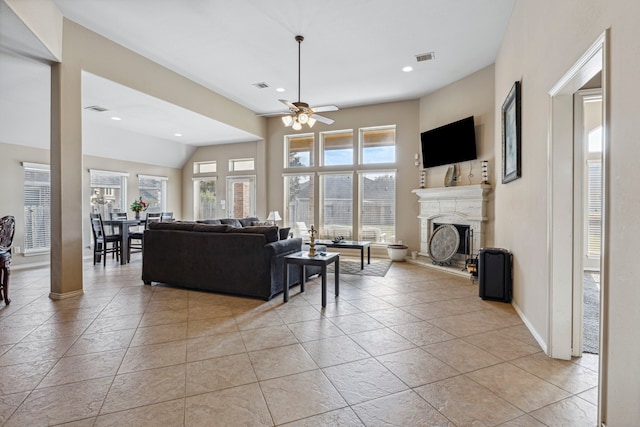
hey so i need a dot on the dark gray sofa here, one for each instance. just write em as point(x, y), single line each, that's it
point(246, 261)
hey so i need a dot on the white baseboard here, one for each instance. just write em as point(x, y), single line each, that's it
point(531, 329)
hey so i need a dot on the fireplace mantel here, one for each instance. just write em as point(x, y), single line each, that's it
point(463, 205)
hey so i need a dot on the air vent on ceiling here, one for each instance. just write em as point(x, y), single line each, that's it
point(425, 56)
point(261, 85)
point(97, 108)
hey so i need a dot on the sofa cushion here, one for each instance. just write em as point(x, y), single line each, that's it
point(270, 233)
point(211, 228)
point(232, 222)
point(208, 221)
point(284, 233)
point(259, 224)
point(177, 225)
point(246, 222)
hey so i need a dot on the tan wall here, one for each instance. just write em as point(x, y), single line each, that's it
point(471, 96)
point(222, 154)
point(543, 40)
point(402, 114)
point(11, 170)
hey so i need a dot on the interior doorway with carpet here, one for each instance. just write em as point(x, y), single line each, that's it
point(588, 112)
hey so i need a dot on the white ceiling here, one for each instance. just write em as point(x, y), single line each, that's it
point(352, 54)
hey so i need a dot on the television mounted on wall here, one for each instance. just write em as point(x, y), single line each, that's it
point(448, 144)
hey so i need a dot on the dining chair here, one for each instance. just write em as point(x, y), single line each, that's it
point(7, 229)
point(166, 217)
point(103, 243)
point(113, 228)
point(136, 238)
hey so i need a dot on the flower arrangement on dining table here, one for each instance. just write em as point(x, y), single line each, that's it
point(138, 206)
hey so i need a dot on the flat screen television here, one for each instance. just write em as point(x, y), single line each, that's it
point(452, 143)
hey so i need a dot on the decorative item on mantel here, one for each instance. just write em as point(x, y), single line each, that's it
point(422, 178)
point(485, 171)
point(138, 206)
point(451, 176)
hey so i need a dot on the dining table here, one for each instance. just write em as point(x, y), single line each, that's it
point(122, 225)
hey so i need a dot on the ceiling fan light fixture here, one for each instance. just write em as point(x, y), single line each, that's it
point(287, 120)
point(303, 118)
point(311, 122)
point(296, 125)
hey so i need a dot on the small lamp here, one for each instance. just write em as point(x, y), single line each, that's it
point(273, 217)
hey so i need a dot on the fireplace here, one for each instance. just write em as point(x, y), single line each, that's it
point(464, 231)
point(465, 207)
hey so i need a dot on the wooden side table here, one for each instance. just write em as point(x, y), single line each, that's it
point(302, 259)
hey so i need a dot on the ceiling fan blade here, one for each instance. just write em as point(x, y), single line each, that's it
point(280, 114)
point(322, 119)
point(289, 104)
point(323, 108)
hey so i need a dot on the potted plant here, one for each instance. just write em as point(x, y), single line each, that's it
point(138, 206)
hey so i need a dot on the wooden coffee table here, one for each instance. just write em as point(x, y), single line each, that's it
point(303, 259)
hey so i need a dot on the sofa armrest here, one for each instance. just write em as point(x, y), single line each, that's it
point(283, 247)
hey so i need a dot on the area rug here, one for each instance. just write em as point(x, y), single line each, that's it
point(377, 267)
point(591, 313)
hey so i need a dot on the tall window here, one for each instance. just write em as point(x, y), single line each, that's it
point(362, 210)
point(299, 150)
point(336, 148)
point(108, 192)
point(377, 206)
point(299, 193)
point(153, 190)
point(378, 145)
point(204, 190)
point(336, 205)
point(37, 207)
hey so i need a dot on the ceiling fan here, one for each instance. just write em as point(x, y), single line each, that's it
point(299, 112)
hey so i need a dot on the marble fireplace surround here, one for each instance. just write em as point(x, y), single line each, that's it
point(463, 205)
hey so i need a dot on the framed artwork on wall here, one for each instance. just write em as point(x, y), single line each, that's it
point(511, 135)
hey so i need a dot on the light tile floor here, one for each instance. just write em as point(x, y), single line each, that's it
point(414, 348)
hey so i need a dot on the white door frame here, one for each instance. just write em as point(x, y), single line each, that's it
point(561, 215)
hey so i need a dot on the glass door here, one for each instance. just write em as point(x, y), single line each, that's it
point(241, 196)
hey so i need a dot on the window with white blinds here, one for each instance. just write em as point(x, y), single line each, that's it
point(108, 192)
point(153, 190)
point(594, 207)
point(37, 208)
point(336, 205)
point(377, 207)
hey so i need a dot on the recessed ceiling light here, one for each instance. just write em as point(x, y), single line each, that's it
point(407, 69)
point(115, 118)
point(280, 89)
point(177, 134)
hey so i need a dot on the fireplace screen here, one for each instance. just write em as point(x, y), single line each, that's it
point(444, 243)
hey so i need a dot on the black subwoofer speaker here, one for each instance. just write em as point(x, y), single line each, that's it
point(494, 274)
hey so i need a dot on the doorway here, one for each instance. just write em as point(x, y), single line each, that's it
point(588, 201)
point(566, 217)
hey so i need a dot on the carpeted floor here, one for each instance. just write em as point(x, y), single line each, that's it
point(591, 313)
point(378, 267)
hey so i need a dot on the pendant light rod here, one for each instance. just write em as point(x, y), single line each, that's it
point(299, 39)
